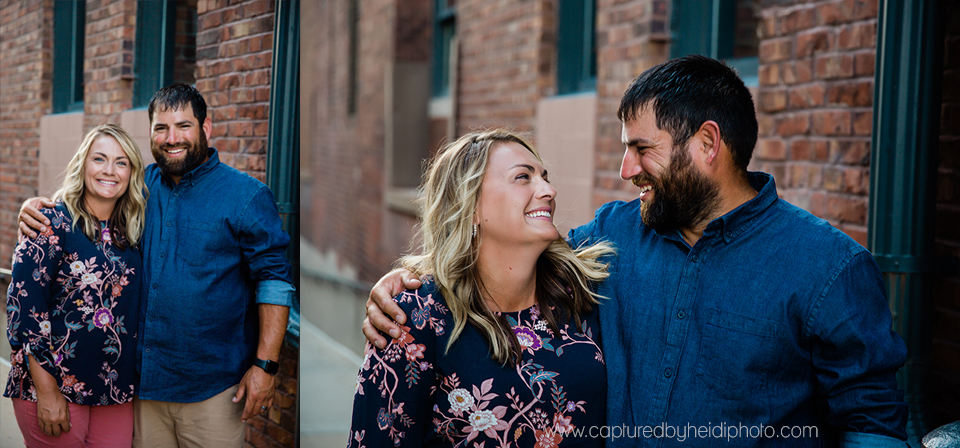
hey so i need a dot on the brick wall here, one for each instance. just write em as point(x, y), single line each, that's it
point(278, 427)
point(25, 60)
point(346, 165)
point(945, 354)
point(234, 55)
point(631, 37)
point(108, 60)
point(815, 107)
point(506, 62)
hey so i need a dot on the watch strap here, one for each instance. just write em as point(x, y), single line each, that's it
point(271, 367)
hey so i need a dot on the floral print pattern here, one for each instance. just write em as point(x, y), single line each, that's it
point(416, 392)
point(68, 306)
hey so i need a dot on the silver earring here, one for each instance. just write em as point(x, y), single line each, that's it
point(474, 230)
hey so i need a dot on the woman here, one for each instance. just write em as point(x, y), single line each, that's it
point(503, 345)
point(73, 302)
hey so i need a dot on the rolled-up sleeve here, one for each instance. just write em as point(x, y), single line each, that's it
point(856, 355)
point(263, 243)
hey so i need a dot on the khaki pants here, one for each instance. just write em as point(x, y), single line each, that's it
point(214, 422)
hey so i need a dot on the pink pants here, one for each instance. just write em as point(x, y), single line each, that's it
point(91, 426)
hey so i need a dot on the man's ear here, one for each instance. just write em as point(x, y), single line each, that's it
point(710, 142)
point(207, 127)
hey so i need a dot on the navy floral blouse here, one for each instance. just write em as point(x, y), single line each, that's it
point(413, 393)
point(73, 304)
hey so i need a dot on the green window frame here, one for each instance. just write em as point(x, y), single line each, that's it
point(576, 46)
point(444, 30)
point(283, 138)
point(714, 28)
point(69, 23)
point(155, 58)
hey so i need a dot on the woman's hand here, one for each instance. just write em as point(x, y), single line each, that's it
point(53, 414)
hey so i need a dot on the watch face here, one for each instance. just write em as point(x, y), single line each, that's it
point(272, 367)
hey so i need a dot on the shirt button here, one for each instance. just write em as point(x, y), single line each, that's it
point(163, 255)
point(154, 286)
point(147, 350)
point(681, 314)
point(668, 372)
point(696, 258)
point(169, 223)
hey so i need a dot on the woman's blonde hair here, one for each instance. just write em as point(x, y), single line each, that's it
point(127, 216)
point(451, 192)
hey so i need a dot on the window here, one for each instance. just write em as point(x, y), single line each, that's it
point(444, 30)
point(69, 20)
point(576, 48)
point(166, 51)
point(727, 30)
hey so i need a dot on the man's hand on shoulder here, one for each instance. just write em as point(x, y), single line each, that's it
point(31, 219)
point(380, 304)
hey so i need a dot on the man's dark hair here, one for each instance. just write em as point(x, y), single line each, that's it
point(175, 97)
point(685, 92)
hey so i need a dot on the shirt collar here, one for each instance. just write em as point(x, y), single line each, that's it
point(732, 224)
point(194, 176)
point(737, 220)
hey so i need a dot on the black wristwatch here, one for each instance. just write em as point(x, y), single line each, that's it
point(271, 367)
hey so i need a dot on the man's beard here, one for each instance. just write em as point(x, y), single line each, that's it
point(682, 197)
point(195, 155)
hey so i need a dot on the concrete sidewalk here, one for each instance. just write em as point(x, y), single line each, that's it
point(328, 377)
point(9, 431)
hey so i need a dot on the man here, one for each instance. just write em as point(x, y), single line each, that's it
point(216, 286)
point(734, 317)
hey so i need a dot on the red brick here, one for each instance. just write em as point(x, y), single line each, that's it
point(793, 124)
point(800, 150)
point(773, 101)
point(851, 152)
point(858, 35)
point(832, 13)
point(831, 122)
point(863, 123)
point(813, 42)
point(769, 74)
point(797, 20)
point(807, 96)
point(852, 94)
point(774, 50)
point(768, 149)
point(863, 9)
point(796, 176)
point(832, 179)
point(864, 64)
point(803, 71)
point(834, 66)
point(856, 181)
point(768, 26)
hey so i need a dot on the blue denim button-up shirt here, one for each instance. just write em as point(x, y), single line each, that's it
point(772, 318)
point(213, 249)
